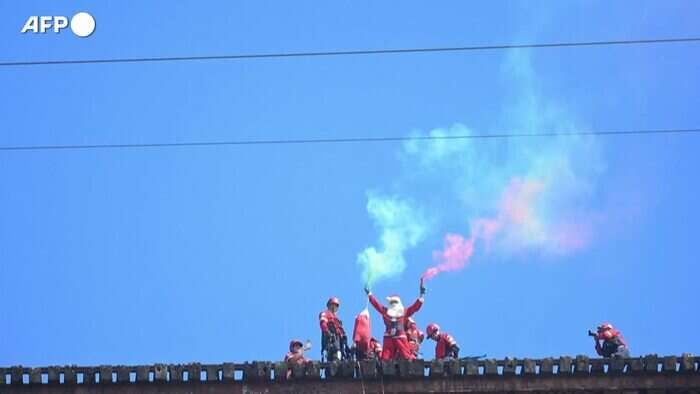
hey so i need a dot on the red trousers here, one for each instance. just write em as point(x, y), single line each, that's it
point(397, 348)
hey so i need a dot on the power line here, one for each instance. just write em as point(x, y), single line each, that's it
point(350, 52)
point(347, 140)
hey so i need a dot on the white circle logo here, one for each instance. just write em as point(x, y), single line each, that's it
point(82, 24)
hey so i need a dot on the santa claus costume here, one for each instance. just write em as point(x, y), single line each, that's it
point(395, 317)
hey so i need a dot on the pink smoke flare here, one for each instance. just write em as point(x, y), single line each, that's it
point(516, 211)
point(454, 256)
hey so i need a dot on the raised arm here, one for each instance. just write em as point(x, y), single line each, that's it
point(379, 307)
point(419, 302)
point(415, 307)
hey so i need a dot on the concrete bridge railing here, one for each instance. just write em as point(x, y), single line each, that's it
point(261, 371)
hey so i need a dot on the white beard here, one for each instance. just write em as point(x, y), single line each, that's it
point(395, 311)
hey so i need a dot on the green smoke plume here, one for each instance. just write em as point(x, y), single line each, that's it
point(459, 181)
point(401, 227)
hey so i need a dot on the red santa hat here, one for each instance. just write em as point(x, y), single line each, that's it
point(394, 298)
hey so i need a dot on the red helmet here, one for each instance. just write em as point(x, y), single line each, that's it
point(333, 300)
point(432, 329)
point(294, 342)
point(605, 327)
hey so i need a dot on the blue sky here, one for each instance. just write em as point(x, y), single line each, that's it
point(218, 254)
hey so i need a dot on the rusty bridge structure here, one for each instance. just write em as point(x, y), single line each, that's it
point(649, 374)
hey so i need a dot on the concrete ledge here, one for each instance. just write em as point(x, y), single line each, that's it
point(660, 383)
point(266, 372)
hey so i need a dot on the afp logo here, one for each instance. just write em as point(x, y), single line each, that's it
point(82, 24)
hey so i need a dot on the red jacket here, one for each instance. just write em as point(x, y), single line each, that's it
point(395, 326)
point(291, 358)
point(327, 318)
point(375, 348)
point(414, 334)
point(415, 338)
point(444, 345)
point(608, 335)
point(611, 338)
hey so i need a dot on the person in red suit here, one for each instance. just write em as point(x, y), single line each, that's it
point(395, 317)
point(374, 351)
point(446, 346)
point(333, 338)
point(614, 344)
point(415, 336)
point(295, 355)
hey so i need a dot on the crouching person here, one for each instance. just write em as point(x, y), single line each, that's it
point(613, 344)
point(295, 356)
point(373, 351)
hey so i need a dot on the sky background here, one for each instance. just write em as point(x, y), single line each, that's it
point(215, 254)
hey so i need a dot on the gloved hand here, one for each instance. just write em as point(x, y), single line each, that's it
point(422, 288)
point(367, 290)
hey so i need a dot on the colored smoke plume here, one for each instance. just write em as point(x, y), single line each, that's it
point(401, 228)
point(518, 221)
point(513, 197)
point(454, 256)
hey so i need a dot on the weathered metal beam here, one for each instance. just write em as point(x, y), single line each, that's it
point(261, 372)
point(676, 383)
